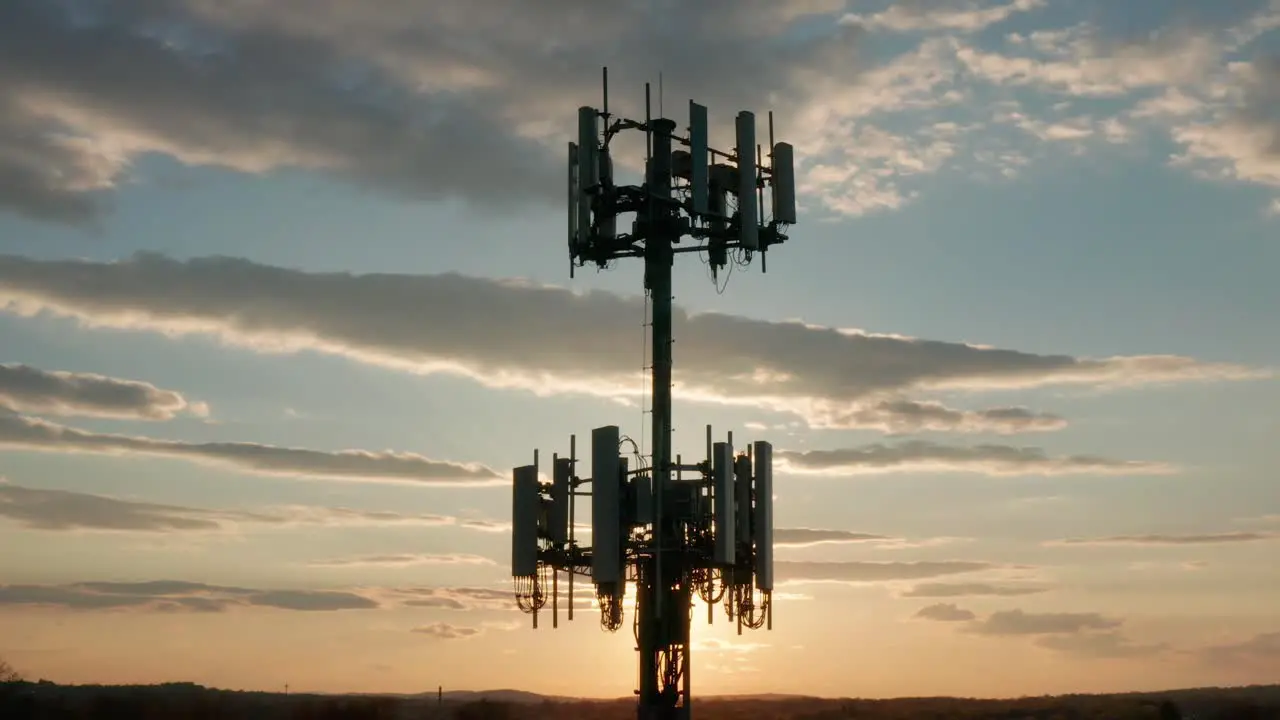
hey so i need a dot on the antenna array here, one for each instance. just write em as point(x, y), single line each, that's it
point(671, 529)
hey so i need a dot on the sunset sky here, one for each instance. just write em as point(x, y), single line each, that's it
point(285, 296)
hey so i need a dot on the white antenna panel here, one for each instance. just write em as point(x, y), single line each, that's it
point(723, 487)
point(784, 183)
point(698, 148)
point(524, 521)
point(588, 169)
point(558, 515)
point(742, 491)
point(606, 506)
point(763, 456)
point(748, 213)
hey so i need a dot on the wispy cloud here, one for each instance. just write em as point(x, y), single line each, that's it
point(798, 571)
point(24, 433)
point(945, 612)
point(1083, 634)
point(177, 596)
point(453, 324)
point(451, 121)
point(403, 560)
point(1100, 645)
point(67, 511)
point(964, 589)
point(447, 631)
point(1018, 622)
point(911, 416)
point(56, 392)
point(808, 537)
point(1160, 539)
point(961, 17)
point(716, 645)
point(924, 456)
point(1263, 649)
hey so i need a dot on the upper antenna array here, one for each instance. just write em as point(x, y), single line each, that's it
point(700, 182)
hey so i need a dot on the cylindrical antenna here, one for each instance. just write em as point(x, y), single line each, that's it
point(604, 84)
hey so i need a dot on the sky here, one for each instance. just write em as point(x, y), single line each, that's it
point(284, 296)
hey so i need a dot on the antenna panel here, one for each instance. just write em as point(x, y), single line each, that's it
point(764, 514)
point(588, 169)
point(558, 514)
point(574, 192)
point(698, 147)
point(722, 478)
point(607, 221)
point(524, 521)
point(606, 506)
point(784, 184)
point(742, 500)
point(642, 491)
point(748, 213)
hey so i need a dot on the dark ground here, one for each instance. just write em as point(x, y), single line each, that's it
point(28, 701)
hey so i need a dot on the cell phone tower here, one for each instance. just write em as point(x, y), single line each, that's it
point(672, 529)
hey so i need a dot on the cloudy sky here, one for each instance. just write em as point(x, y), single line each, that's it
point(285, 297)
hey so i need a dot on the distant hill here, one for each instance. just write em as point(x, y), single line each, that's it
point(49, 700)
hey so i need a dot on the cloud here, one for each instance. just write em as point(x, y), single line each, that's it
point(945, 612)
point(925, 16)
point(1188, 82)
point(1079, 61)
point(403, 560)
point(63, 510)
point(797, 571)
point(911, 416)
point(111, 85)
point(402, 98)
point(493, 526)
point(1018, 622)
point(942, 589)
point(1239, 139)
point(494, 332)
point(923, 456)
point(440, 101)
point(22, 433)
point(177, 596)
point(466, 599)
point(1100, 645)
point(445, 631)
point(1184, 566)
point(716, 645)
point(1084, 634)
point(454, 598)
point(1263, 648)
point(28, 389)
point(808, 537)
point(67, 511)
point(1158, 539)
